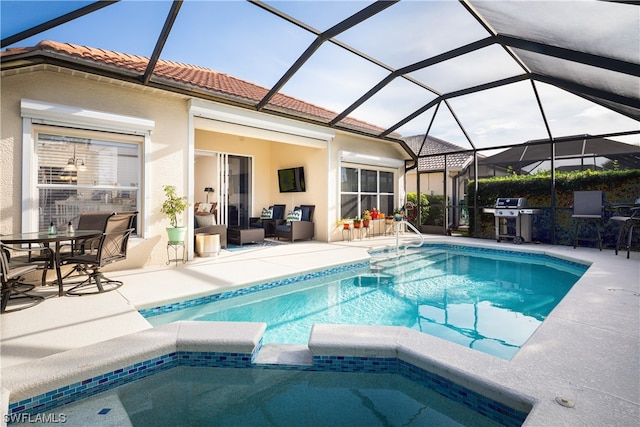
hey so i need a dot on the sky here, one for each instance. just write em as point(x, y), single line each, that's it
point(247, 42)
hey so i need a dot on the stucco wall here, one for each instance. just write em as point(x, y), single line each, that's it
point(168, 141)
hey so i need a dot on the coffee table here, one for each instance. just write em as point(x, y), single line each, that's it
point(240, 236)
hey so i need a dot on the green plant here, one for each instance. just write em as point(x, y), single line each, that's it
point(173, 204)
point(424, 207)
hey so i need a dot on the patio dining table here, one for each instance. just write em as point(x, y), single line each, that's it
point(46, 239)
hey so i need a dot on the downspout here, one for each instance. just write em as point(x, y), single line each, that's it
point(190, 185)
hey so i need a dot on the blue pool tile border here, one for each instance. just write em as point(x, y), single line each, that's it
point(90, 387)
point(155, 311)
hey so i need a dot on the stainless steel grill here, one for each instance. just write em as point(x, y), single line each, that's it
point(513, 219)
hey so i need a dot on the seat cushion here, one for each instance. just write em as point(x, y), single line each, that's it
point(284, 227)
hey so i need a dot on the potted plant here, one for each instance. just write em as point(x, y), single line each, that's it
point(356, 222)
point(366, 217)
point(173, 206)
point(344, 222)
point(398, 215)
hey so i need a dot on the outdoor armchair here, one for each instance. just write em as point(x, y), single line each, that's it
point(293, 230)
point(270, 224)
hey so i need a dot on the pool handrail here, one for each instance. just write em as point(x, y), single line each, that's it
point(412, 228)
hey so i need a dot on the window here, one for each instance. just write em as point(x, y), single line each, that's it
point(365, 189)
point(81, 171)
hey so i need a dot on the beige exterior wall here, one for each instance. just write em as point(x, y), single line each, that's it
point(430, 183)
point(166, 150)
point(168, 154)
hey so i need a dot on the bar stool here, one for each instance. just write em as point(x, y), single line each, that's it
point(627, 223)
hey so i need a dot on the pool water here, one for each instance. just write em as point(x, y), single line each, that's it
point(488, 300)
point(188, 396)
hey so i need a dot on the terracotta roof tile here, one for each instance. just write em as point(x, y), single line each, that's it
point(193, 75)
point(434, 146)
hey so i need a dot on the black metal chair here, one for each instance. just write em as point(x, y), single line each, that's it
point(588, 206)
point(111, 248)
point(14, 290)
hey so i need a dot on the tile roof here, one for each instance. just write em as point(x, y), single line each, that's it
point(213, 82)
point(437, 146)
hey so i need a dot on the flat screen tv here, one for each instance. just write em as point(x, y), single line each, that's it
point(291, 180)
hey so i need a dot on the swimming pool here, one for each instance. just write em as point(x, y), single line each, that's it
point(488, 300)
point(200, 396)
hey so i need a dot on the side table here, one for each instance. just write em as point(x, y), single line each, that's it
point(176, 246)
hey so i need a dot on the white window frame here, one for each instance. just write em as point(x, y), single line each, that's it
point(352, 159)
point(43, 113)
point(359, 193)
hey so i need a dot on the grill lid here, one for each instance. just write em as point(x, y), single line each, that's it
point(511, 203)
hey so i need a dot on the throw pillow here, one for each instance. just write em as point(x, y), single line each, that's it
point(266, 213)
point(204, 207)
point(294, 215)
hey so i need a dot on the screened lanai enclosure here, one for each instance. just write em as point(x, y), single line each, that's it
point(469, 89)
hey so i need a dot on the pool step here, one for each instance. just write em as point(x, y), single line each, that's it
point(390, 259)
point(284, 354)
point(403, 264)
point(374, 279)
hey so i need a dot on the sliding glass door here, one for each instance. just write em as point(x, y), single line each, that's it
point(229, 178)
point(239, 191)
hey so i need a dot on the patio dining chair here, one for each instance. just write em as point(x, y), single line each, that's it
point(111, 248)
point(88, 221)
point(588, 206)
point(13, 273)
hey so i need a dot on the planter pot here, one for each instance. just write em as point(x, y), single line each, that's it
point(398, 217)
point(356, 225)
point(365, 223)
point(346, 226)
point(176, 234)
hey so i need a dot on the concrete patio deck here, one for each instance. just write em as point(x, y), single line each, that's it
point(588, 350)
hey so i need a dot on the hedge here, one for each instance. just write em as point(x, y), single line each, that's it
point(618, 186)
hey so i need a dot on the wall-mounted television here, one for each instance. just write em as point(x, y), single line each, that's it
point(291, 180)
